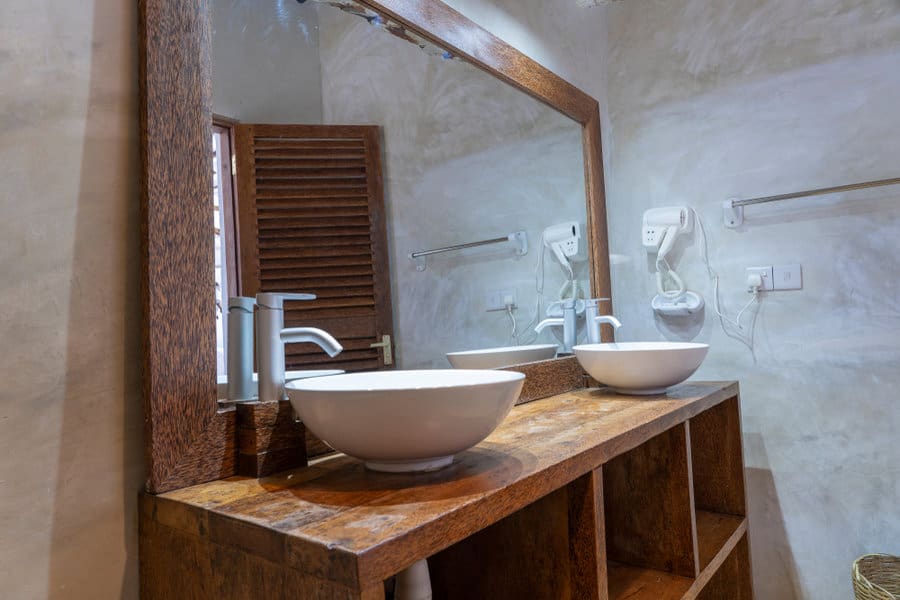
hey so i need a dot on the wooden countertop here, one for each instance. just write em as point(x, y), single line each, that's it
point(337, 521)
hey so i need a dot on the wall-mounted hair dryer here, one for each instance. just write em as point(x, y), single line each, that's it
point(662, 226)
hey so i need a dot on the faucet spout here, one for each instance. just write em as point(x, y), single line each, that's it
point(322, 339)
point(608, 319)
point(549, 323)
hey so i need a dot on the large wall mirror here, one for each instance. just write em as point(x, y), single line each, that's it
point(349, 140)
point(465, 158)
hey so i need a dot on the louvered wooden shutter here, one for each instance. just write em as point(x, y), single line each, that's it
point(311, 212)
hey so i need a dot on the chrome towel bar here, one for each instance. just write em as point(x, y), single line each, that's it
point(734, 207)
point(519, 237)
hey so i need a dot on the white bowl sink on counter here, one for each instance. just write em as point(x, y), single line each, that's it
point(491, 358)
point(222, 381)
point(641, 368)
point(400, 421)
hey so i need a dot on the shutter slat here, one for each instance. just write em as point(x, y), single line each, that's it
point(307, 163)
point(302, 153)
point(358, 250)
point(301, 192)
point(291, 274)
point(301, 242)
point(304, 171)
point(311, 232)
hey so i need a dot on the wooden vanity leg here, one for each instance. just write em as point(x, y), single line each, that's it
point(586, 537)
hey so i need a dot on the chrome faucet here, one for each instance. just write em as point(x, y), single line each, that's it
point(271, 336)
point(593, 319)
point(568, 322)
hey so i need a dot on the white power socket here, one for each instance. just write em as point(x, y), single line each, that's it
point(765, 274)
point(498, 299)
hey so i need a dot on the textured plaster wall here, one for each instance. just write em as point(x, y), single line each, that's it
point(265, 61)
point(70, 408)
point(466, 158)
point(712, 99)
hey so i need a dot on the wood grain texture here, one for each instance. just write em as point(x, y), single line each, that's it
point(269, 439)
point(649, 508)
point(547, 378)
point(731, 581)
point(525, 555)
point(638, 583)
point(587, 537)
point(713, 533)
point(340, 522)
point(717, 457)
point(177, 276)
point(177, 283)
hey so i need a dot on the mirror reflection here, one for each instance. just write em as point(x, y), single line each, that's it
point(429, 207)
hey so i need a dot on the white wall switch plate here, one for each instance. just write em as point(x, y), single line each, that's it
point(788, 277)
point(496, 299)
point(765, 273)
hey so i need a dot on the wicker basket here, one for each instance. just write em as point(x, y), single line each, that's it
point(877, 577)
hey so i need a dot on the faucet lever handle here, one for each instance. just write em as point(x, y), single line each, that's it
point(276, 300)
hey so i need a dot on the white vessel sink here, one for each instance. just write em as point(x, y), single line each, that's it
point(222, 380)
point(491, 358)
point(401, 421)
point(641, 368)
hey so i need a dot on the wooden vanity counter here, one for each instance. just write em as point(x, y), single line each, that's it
point(523, 512)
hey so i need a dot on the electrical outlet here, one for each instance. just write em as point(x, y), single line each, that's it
point(788, 277)
point(498, 299)
point(765, 273)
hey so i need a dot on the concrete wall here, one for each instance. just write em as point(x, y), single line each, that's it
point(712, 99)
point(467, 157)
point(265, 61)
point(70, 406)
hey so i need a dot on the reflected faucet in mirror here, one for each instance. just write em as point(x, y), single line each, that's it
point(271, 336)
point(593, 319)
point(569, 323)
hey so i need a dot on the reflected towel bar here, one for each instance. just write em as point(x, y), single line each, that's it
point(734, 208)
point(519, 237)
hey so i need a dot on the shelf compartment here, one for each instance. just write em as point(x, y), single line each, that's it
point(637, 583)
point(731, 580)
point(550, 550)
point(649, 513)
point(716, 532)
point(717, 460)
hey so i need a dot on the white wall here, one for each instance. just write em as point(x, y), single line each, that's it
point(265, 61)
point(713, 99)
point(70, 406)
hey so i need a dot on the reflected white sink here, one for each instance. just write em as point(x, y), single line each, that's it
point(641, 368)
point(222, 381)
point(491, 358)
point(400, 421)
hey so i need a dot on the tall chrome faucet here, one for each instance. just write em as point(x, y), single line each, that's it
point(593, 318)
point(568, 322)
point(271, 336)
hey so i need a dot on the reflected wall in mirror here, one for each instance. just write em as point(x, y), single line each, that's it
point(460, 157)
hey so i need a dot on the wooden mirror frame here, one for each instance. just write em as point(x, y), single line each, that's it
point(187, 437)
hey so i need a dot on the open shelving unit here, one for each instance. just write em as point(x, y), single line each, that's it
point(672, 526)
point(585, 495)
